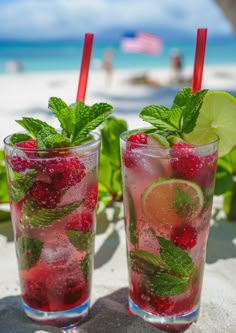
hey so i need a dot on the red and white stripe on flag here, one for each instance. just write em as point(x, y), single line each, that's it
point(142, 42)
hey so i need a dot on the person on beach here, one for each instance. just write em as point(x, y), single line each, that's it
point(176, 65)
point(108, 65)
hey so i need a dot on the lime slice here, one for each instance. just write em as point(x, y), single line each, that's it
point(217, 116)
point(172, 201)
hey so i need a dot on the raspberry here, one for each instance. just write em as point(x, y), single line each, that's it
point(35, 292)
point(184, 161)
point(80, 222)
point(91, 197)
point(152, 303)
point(20, 164)
point(66, 291)
point(65, 172)
point(131, 159)
point(185, 238)
point(44, 194)
point(163, 305)
point(138, 138)
point(30, 144)
point(206, 175)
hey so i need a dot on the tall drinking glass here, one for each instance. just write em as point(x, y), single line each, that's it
point(53, 198)
point(168, 196)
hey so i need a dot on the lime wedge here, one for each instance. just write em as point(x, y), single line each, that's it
point(217, 116)
point(172, 201)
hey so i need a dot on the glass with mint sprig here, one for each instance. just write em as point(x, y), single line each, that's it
point(172, 124)
point(168, 186)
point(53, 191)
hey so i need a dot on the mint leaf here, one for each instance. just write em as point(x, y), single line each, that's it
point(29, 251)
point(159, 116)
point(33, 126)
point(36, 217)
point(88, 118)
point(76, 120)
point(165, 284)
point(19, 137)
point(180, 118)
point(144, 262)
point(82, 241)
point(50, 138)
point(64, 114)
point(190, 104)
point(183, 203)
point(132, 219)
point(176, 259)
point(86, 268)
point(21, 184)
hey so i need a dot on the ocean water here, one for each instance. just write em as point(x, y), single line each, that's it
point(57, 56)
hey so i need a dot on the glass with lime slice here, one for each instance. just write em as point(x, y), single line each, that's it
point(168, 186)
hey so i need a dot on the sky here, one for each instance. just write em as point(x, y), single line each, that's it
point(68, 19)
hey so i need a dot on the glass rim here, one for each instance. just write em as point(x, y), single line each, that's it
point(96, 139)
point(124, 136)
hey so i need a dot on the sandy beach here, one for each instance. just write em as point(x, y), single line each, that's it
point(27, 94)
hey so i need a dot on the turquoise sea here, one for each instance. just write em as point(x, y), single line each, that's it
point(66, 55)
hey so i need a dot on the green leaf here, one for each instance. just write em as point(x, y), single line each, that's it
point(50, 138)
point(33, 126)
point(21, 184)
point(132, 219)
point(158, 116)
point(86, 268)
point(110, 134)
point(43, 217)
point(224, 181)
point(183, 203)
point(176, 259)
point(29, 251)
point(165, 284)
point(182, 116)
point(64, 114)
point(144, 262)
point(88, 118)
point(3, 179)
point(190, 104)
point(82, 241)
point(19, 137)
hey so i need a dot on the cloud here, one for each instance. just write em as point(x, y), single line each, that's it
point(33, 19)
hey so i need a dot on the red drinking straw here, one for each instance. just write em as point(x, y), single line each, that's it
point(84, 67)
point(199, 59)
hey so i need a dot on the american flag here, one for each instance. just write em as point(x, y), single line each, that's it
point(141, 42)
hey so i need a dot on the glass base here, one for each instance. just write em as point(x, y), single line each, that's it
point(166, 323)
point(63, 319)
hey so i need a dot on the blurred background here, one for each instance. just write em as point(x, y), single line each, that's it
point(48, 35)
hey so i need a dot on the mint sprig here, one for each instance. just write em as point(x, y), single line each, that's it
point(180, 118)
point(76, 121)
point(82, 241)
point(166, 275)
point(41, 217)
point(20, 184)
point(29, 251)
point(183, 204)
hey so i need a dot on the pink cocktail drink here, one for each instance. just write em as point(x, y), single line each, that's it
point(168, 193)
point(53, 198)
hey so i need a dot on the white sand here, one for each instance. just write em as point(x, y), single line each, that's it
point(27, 95)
